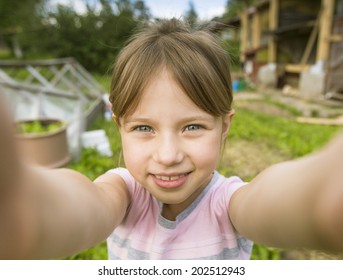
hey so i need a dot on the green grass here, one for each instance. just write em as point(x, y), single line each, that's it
point(284, 134)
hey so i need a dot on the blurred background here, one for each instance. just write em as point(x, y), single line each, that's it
point(90, 31)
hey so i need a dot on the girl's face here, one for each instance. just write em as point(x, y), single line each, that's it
point(170, 145)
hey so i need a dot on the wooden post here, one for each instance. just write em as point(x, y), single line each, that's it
point(244, 34)
point(256, 27)
point(325, 29)
point(311, 41)
point(273, 25)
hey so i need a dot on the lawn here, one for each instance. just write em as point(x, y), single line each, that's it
point(256, 140)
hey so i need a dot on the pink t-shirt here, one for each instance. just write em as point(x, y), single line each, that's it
point(201, 231)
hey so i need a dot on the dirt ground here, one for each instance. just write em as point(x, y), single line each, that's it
point(242, 156)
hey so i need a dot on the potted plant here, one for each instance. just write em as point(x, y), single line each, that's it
point(43, 141)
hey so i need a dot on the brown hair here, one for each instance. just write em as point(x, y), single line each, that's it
point(195, 59)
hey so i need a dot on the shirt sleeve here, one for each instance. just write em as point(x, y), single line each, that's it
point(127, 177)
point(234, 183)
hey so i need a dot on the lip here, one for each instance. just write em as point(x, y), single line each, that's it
point(170, 181)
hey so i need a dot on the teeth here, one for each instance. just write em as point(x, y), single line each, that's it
point(168, 178)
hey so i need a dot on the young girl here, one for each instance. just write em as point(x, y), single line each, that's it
point(171, 97)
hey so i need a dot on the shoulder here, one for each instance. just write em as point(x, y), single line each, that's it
point(135, 188)
point(123, 173)
point(227, 186)
point(224, 189)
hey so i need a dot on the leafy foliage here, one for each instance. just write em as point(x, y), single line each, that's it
point(99, 252)
point(94, 37)
point(191, 15)
point(233, 7)
point(260, 252)
point(16, 17)
point(37, 127)
point(16, 14)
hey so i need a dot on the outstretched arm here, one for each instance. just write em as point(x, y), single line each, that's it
point(48, 213)
point(295, 204)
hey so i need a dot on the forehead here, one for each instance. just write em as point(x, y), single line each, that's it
point(163, 94)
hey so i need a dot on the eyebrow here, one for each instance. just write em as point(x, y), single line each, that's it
point(194, 118)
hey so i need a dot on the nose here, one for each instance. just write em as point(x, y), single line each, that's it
point(168, 150)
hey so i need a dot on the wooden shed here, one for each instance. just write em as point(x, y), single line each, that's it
point(294, 43)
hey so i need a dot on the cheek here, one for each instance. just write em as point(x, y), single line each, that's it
point(208, 158)
point(129, 151)
point(207, 152)
point(134, 155)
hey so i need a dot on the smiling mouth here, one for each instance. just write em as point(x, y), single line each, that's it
point(170, 181)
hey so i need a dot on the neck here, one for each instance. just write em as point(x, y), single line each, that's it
point(169, 212)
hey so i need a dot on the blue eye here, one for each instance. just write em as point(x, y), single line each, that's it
point(143, 128)
point(192, 127)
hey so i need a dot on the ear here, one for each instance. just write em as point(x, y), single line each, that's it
point(227, 119)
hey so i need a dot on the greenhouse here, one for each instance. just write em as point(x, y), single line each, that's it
point(58, 88)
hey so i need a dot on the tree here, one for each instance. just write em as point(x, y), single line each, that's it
point(233, 7)
point(124, 5)
point(191, 15)
point(94, 37)
point(142, 11)
point(16, 14)
point(17, 17)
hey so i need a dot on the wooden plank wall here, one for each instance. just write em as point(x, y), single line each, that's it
point(334, 81)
